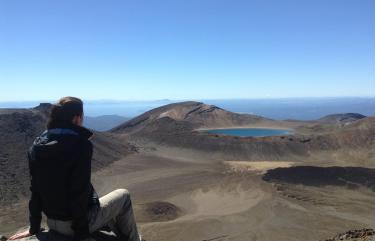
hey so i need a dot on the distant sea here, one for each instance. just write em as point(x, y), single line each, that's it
point(299, 108)
point(279, 109)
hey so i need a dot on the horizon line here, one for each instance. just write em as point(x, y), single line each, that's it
point(190, 99)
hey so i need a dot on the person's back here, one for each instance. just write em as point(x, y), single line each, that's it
point(60, 171)
point(60, 167)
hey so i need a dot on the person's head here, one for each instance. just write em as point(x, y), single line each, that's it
point(66, 111)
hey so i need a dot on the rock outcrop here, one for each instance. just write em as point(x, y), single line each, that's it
point(352, 177)
point(48, 235)
point(341, 119)
point(355, 235)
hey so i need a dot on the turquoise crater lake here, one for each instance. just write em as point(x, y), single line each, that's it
point(246, 132)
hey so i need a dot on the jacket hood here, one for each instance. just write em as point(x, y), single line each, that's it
point(68, 129)
point(80, 130)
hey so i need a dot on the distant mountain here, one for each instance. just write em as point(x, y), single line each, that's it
point(341, 119)
point(104, 122)
point(196, 114)
point(176, 125)
point(18, 129)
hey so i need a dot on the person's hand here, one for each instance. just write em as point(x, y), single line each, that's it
point(23, 234)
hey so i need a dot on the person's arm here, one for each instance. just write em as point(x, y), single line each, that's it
point(79, 191)
point(35, 203)
point(35, 210)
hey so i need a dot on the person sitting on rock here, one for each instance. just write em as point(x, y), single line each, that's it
point(60, 171)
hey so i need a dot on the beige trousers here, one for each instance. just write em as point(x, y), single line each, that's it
point(115, 211)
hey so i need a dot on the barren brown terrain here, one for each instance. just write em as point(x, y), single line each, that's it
point(189, 185)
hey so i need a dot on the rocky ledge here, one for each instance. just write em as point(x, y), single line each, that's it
point(53, 236)
point(352, 235)
point(355, 235)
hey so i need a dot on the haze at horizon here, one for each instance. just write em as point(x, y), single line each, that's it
point(280, 109)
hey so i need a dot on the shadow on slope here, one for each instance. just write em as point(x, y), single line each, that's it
point(352, 177)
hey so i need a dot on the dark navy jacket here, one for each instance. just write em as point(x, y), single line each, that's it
point(60, 171)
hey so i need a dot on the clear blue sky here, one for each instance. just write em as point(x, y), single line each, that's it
point(186, 49)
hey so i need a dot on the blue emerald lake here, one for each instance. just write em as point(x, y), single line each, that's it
point(246, 132)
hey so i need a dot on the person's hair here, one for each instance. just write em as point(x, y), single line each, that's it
point(63, 111)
